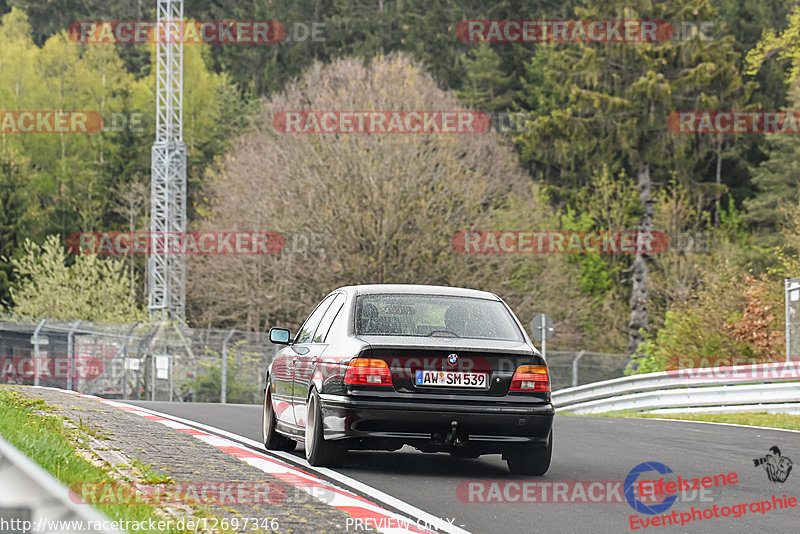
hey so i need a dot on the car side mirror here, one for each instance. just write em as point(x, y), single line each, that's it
point(280, 336)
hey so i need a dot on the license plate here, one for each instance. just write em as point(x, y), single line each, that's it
point(452, 379)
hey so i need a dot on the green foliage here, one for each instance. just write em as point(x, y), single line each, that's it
point(783, 44)
point(688, 340)
point(647, 360)
point(486, 87)
point(90, 289)
point(732, 224)
point(241, 386)
point(44, 438)
point(61, 184)
point(596, 112)
point(732, 320)
point(595, 276)
point(776, 180)
point(14, 217)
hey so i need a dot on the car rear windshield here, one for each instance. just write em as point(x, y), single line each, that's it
point(433, 315)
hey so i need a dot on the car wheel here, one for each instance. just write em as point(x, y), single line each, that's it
point(319, 452)
point(533, 461)
point(272, 440)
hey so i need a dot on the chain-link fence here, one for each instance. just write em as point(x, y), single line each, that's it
point(165, 361)
point(573, 368)
point(159, 361)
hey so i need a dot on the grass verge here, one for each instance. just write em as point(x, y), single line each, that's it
point(33, 428)
point(771, 420)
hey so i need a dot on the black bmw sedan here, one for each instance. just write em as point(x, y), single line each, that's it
point(442, 369)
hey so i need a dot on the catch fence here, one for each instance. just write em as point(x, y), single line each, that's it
point(144, 361)
point(170, 362)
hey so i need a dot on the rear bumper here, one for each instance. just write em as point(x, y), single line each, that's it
point(490, 426)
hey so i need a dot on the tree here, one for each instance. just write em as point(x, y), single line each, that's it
point(90, 289)
point(486, 86)
point(759, 327)
point(618, 98)
point(697, 332)
point(387, 205)
point(777, 183)
point(13, 222)
point(74, 182)
point(776, 178)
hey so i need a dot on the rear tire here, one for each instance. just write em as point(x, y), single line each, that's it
point(533, 461)
point(320, 453)
point(273, 441)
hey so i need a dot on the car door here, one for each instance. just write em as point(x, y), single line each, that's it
point(281, 377)
point(304, 354)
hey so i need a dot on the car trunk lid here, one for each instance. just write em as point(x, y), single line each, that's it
point(451, 366)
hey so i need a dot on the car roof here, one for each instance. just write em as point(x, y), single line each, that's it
point(418, 289)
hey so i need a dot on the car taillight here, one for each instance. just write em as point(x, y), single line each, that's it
point(530, 378)
point(367, 372)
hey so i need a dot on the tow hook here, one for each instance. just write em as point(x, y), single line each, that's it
point(452, 437)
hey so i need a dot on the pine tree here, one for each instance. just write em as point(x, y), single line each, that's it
point(487, 86)
point(617, 99)
point(777, 178)
point(13, 227)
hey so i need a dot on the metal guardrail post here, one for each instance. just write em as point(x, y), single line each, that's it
point(71, 367)
point(153, 362)
point(792, 304)
point(152, 382)
point(124, 351)
point(575, 367)
point(170, 370)
point(786, 297)
point(36, 352)
point(224, 393)
point(145, 343)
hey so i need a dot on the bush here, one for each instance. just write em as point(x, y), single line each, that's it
point(242, 387)
point(705, 332)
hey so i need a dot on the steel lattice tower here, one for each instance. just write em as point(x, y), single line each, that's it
point(166, 273)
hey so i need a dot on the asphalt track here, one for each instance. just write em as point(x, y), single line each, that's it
point(585, 449)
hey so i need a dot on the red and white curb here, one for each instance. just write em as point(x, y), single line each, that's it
point(371, 515)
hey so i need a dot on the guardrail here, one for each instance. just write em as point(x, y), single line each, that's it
point(769, 387)
point(31, 500)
